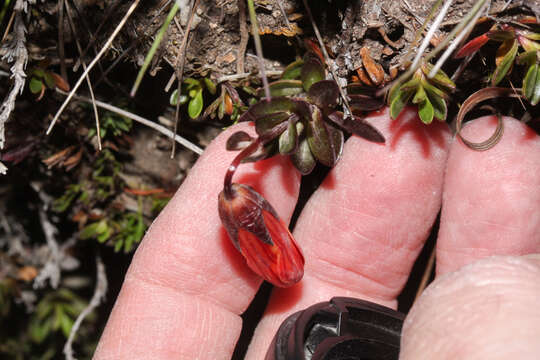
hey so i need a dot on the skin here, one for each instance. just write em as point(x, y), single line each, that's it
point(187, 285)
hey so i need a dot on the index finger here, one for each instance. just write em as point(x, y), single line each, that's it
point(187, 284)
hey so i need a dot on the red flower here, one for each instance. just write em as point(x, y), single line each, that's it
point(257, 232)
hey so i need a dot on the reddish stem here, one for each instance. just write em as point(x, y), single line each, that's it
point(250, 149)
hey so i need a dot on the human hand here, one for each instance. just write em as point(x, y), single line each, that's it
point(360, 232)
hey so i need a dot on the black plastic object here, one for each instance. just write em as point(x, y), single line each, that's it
point(340, 329)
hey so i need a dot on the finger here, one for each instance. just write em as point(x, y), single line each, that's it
point(486, 310)
point(187, 284)
point(491, 200)
point(362, 230)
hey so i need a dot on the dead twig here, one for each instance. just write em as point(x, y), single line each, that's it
point(244, 37)
point(163, 130)
point(93, 63)
point(89, 83)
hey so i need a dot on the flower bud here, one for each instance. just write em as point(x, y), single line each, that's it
point(260, 235)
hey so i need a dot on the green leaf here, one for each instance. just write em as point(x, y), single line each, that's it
point(266, 123)
point(440, 79)
point(303, 159)
point(527, 57)
point(312, 72)
point(401, 98)
point(288, 139)
point(506, 53)
point(65, 324)
point(439, 107)
point(324, 94)
point(195, 106)
point(319, 139)
point(49, 80)
point(426, 112)
point(283, 88)
point(210, 85)
point(39, 72)
point(531, 84)
point(35, 85)
point(293, 70)
point(93, 230)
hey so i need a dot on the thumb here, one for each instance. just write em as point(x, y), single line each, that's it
point(486, 310)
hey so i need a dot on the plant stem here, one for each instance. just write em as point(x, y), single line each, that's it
point(227, 184)
point(154, 48)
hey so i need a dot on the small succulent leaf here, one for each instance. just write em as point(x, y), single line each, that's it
point(288, 140)
point(356, 125)
point(49, 80)
point(60, 82)
point(440, 79)
point(302, 158)
point(530, 35)
point(238, 141)
point(363, 103)
point(38, 72)
point(374, 70)
point(210, 85)
point(312, 72)
point(265, 107)
point(433, 90)
point(283, 88)
point(266, 123)
point(324, 94)
point(229, 89)
point(195, 105)
point(293, 70)
point(471, 46)
point(173, 100)
point(401, 98)
point(359, 89)
point(505, 58)
point(528, 44)
point(426, 111)
point(531, 84)
point(192, 83)
point(265, 151)
point(420, 95)
point(36, 85)
point(338, 140)
point(319, 140)
point(439, 106)
point(527, 58)
point(410, 85)
point(501, 35)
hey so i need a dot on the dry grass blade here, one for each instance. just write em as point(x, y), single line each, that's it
point(258, 46)
point(89, 83)
point(472, 101)
point(93, 63)
point(163, 130)
point(180, 61)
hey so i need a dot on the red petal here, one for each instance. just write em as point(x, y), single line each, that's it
point(281, 264)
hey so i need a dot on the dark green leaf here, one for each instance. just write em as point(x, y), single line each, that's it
point(531, 84)
point(312, 71)
point(293, 70)
point(505, 56)
point(324, 94)
point(35, 85)
point(425, 108)
point(501, 35)
point(49, 80)
point(288, 140)
point(264, 107)
point(238, 141)
point(302, 158)
point(434, 91)
point(357, 126)
point(195, 105)
point(65, 324)
point(362, 103)
point(266, 123)
point(527, 58)
point(283, 88)
point(439, 106)
point(319, 140)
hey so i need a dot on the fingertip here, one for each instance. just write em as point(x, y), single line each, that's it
point(491, 199)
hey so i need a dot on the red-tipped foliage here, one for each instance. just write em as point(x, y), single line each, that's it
point(260, 235)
